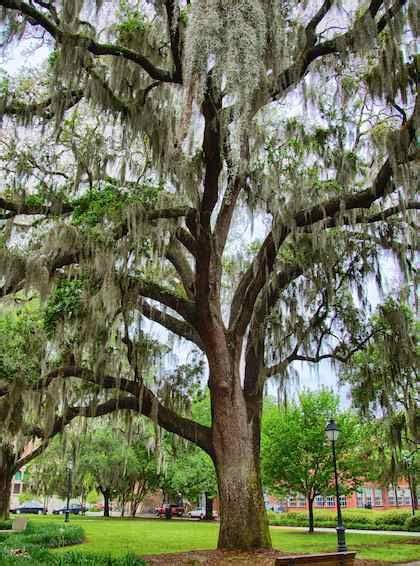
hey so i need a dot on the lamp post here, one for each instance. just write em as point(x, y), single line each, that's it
point(69, 478)
point(332, 431)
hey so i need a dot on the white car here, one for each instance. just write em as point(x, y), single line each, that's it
point(200, 513)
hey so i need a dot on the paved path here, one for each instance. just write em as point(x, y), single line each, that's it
point(360, 531)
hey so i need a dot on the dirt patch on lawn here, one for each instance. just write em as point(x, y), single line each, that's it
point(227, 558)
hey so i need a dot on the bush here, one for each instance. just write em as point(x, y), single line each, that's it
point(31, 547)
point(413, 523)
point(393, 518)
point(36, 556)
point(31, 554)
point(353, 519)
point(48, 536)
point(6, 524)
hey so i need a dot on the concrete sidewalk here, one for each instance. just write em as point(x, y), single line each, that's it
point(359, 531)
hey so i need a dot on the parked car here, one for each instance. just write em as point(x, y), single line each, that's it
point(33, 507)
point(74, 508)
point(176, 510)
point(200, 513)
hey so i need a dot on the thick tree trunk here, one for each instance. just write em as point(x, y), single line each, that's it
point(236, 442)
point(7, 462)
point(310, 514)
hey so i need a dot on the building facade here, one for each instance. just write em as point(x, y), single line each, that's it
point(368, 496)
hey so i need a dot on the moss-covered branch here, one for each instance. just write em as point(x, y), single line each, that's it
point(36, 17)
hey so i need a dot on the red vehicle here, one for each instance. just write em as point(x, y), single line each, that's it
point(176, 510)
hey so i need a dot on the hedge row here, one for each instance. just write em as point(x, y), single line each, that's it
point(37, 556)
point(31, 547)
point(376, 520)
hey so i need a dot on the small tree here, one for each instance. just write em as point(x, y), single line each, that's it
point(296, 455)
point(141, 478)
point(192, 473)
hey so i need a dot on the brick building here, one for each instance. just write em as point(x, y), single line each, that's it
point(369, 495)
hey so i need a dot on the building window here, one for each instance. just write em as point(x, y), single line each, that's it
point(391, 496)
point(319, 501)
point(360, 498)
point(16, 488)
point(400, 496)
point(18, 476)
point(378, 497)
point(330, 501)
point(343, 501)
point(407, 497)
point(368, 497)
point(301, 501)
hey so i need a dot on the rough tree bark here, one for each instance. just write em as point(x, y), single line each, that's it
point(236, 444)
point(7, 470)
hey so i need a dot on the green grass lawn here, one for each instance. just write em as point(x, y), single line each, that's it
point(150, 536)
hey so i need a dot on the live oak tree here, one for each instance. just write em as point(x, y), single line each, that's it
point(157, 129)
point(296, 456)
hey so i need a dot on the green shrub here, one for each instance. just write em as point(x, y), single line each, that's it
point(353, 519)
point(30, 554)
point(413, 523)
point(31, 547)
point(49, 536)
point(6, 524)
point(37, 556)
point(393, 517)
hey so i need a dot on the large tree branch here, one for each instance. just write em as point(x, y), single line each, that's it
point(261, 268)
point(175, 38)
point(187, 240)
point(143, 401)
point(40, 18)
point(175, 255)
point(293, 74)
point(153, 215)
point(151, 290)
point(178, 327)
point(44, 108)
point(32, 209)
point(31, 456)
point(207, 273)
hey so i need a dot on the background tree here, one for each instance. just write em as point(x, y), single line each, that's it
point(33, 406)
point(296, 456)
point(168, 130)
point(383, 377)
point(191, 473)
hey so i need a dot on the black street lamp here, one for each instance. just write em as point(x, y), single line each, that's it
point(332, 431)
point(69, 478)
